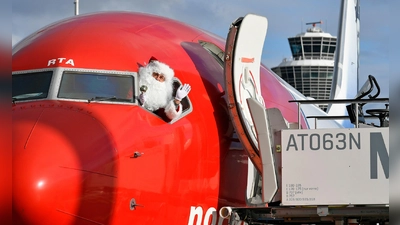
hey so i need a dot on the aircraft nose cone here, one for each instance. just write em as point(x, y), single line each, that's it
point(36, 186)
point(57, 164)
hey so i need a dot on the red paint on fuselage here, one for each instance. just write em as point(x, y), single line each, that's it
point(72, 161)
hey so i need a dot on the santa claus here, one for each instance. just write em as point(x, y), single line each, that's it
point(156, 86)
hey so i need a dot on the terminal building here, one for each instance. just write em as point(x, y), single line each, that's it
point(310, 69)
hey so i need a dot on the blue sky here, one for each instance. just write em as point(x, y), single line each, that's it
point(286, 18)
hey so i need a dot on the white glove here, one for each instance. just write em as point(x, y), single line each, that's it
point(142, 97)
point(182, 92)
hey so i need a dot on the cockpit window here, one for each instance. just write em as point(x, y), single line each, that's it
point(97, 87)
point(31, 85)
point(214, 50)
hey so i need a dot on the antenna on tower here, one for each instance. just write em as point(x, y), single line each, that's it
point(313, 23)
point(76, 7)
point(314, 28)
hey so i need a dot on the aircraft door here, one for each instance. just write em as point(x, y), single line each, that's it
point(243, 53)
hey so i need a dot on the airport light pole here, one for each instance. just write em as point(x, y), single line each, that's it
point(76, 7)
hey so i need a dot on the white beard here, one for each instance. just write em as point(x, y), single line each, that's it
point(158, 94)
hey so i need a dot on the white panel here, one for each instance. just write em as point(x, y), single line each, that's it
point(265, 145)
point(335, 166)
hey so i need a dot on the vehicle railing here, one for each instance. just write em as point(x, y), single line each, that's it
point(335, 101)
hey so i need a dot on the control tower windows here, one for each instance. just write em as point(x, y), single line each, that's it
point(313, 47)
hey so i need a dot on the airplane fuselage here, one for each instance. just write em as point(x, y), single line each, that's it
point(87, 160)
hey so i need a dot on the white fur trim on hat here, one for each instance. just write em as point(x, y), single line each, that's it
point(162, 68)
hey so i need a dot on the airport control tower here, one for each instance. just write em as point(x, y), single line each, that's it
point(310, 70)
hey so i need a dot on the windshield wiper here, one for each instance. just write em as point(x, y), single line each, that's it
point(28, 96)
point(97, 98)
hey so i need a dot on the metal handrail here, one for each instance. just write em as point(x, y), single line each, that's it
point(338, 101)
point(334, 101)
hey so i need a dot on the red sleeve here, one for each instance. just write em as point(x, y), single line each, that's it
point(161, 113)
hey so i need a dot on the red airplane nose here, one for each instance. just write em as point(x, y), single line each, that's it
point(63, 170)
point(38, 184)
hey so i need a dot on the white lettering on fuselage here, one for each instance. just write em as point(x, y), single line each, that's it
point(61, 61)
point(198, 211)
